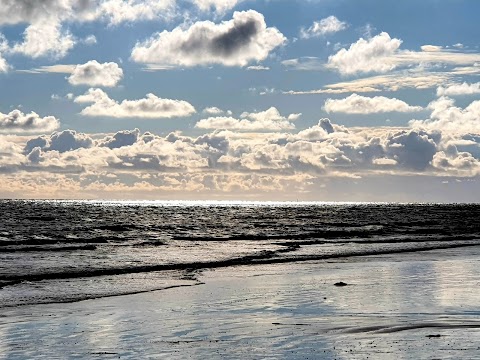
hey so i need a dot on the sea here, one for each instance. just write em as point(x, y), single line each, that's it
point(67, 251)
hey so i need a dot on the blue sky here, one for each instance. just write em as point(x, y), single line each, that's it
point(229, 99)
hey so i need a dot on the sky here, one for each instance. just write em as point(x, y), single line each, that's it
point(283, 100)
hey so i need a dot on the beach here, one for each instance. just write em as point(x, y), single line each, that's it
point(419, 305)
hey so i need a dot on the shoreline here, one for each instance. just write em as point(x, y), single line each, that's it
point(412, 305)
point(188, 272)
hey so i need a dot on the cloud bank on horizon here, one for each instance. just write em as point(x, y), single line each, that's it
point(230, 99)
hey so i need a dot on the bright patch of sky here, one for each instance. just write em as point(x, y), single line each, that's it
point(269, 98)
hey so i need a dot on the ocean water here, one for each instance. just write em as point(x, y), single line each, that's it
point(66, 251)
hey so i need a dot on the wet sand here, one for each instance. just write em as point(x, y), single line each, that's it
point(402, 306)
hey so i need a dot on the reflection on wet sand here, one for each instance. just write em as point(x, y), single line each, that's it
point(409, 306)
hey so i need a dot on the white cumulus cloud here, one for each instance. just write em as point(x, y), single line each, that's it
point(459, 89)
point(119, 11)
point(236, 42)
point(113, 11)
point(431, 48)
point(382, 53)
point(151, 107)
point(366, 55)
point(220, 6)
point(258, 68)
point(329, 25)
point(213, 110)
point(268, 120)
point(227, 161)
point(18, 122)
point(45, 39)
point(449, 118)
point(4, 66)
point(90, 40)
point(357, 104)
point(93, 73)
point(47, 21)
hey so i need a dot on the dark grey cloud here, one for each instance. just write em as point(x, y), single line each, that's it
point(412, 149)
point(326, 125)
point(39, 142)
point(235, 38)
point(63, 141)
point(35, 155)
point(31, 11)
point(68, 140)
point(120, 139)
point(214, 140)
